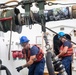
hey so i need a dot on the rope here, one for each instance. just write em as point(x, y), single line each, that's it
point(33, 19)
point(4, 5)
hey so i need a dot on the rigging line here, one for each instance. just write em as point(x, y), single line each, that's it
point(51, 30)
point(4, 5)
point(66, 4)
point(51, 3)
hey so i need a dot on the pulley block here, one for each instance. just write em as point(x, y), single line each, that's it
point(8, 18)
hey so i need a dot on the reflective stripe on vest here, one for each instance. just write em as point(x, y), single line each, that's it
point(69, 51)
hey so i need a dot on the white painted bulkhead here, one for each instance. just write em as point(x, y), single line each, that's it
point(69, 26)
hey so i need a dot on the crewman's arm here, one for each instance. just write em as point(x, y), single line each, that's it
point(63, 52)
point(30, 62)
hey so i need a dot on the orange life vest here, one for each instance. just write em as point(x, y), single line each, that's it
point(39, 56)
point(69, 51)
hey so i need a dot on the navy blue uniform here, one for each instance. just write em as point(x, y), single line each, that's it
point(37, 68)
point(66, 61)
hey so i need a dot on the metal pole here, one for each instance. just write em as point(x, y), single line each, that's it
point(10, 41)
point(0, 66)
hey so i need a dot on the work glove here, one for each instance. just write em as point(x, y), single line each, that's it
point(19, 68)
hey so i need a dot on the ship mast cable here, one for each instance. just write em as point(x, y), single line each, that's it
point(51, 3)
point(59, 35)
point(51, 30)
point(4, 5)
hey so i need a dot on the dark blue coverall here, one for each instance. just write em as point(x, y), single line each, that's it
point(66, 61)
point(37, 68)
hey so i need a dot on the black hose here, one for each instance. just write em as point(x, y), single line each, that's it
point(2, 67)
point(6, 69)
point(49, 63)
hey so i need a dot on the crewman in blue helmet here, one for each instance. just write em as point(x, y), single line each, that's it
point(34, 56)
point(66, 52)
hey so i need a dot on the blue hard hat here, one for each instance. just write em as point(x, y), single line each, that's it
point(61, 34)
point(24, 39)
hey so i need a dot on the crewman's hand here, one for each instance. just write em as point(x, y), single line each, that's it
point(19, 68)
